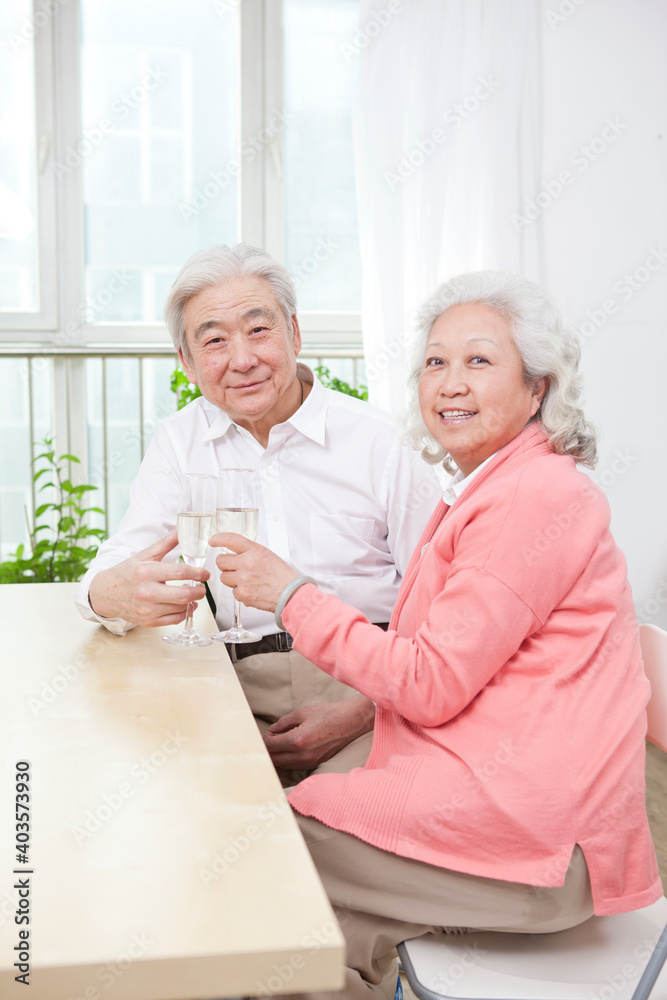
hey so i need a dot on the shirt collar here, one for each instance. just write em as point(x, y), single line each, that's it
point(309, 419)
point(459, 481)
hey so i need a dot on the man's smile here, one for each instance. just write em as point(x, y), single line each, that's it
point(249, 385)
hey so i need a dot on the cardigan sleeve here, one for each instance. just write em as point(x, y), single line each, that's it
point(474, 615)
point(427, 679)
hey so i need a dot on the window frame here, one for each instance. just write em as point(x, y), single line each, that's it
point(46, 316)
point(59, 323)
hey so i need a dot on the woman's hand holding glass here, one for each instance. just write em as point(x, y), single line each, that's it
point(237, 511)
point(256, 575)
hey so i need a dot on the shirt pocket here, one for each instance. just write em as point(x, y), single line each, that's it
point(342, 545)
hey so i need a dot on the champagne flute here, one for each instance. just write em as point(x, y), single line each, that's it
point(195, 527)
point(237, 511)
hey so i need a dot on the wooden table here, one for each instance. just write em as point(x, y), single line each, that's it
point(164, 861)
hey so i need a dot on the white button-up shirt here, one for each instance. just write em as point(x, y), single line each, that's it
point(459, 482)
point(340, 499)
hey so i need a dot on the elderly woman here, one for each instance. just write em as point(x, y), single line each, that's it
point(505, 786)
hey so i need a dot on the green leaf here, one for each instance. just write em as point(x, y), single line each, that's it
point(66, 556)
point(338, 385)
point(184, 389)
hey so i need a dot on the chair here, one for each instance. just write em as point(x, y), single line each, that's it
point(618, 957)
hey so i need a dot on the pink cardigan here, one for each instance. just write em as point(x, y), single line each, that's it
point(510, 690)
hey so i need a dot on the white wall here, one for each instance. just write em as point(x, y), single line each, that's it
point(605, 61)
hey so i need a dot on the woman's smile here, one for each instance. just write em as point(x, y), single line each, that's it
point(472, 391)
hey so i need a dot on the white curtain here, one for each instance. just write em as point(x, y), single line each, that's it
point(447, 146)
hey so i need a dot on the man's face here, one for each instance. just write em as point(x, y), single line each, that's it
point(242, 352)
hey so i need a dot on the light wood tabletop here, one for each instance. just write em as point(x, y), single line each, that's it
point(163, 862)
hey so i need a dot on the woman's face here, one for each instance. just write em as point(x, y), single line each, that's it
point(472, 394)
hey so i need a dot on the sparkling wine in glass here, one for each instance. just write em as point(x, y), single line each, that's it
point(237, 511)
point(195, 524)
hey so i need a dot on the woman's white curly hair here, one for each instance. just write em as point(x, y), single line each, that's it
point(549, 350)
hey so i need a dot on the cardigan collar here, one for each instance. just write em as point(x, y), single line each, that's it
point(529, 443)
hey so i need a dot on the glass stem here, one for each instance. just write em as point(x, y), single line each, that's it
point(189, 628)
point(237, 615)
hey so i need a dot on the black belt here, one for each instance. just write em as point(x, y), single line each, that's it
point(276, 642)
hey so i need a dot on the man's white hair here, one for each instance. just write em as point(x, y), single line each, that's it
point(217, 265)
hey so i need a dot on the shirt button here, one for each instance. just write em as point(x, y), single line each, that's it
point(275, 517)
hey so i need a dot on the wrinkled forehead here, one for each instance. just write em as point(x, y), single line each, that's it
point(237, 302)
point(472, 322)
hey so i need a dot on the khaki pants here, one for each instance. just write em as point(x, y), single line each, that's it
point(381, 899)
point(278, 683)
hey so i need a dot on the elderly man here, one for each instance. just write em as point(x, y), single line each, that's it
point(340, 498)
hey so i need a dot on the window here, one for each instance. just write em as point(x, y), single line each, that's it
point(321, 242)
point(160, 104)
point(158, 128)
point(27, 190)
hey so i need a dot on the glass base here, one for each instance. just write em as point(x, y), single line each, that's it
point(187, 639)
point(236, 635)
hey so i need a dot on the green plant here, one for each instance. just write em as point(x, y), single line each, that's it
point(66, 553)
point(184, 389)
point(331, 382)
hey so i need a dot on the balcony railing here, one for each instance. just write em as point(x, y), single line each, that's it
point(101, 404)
